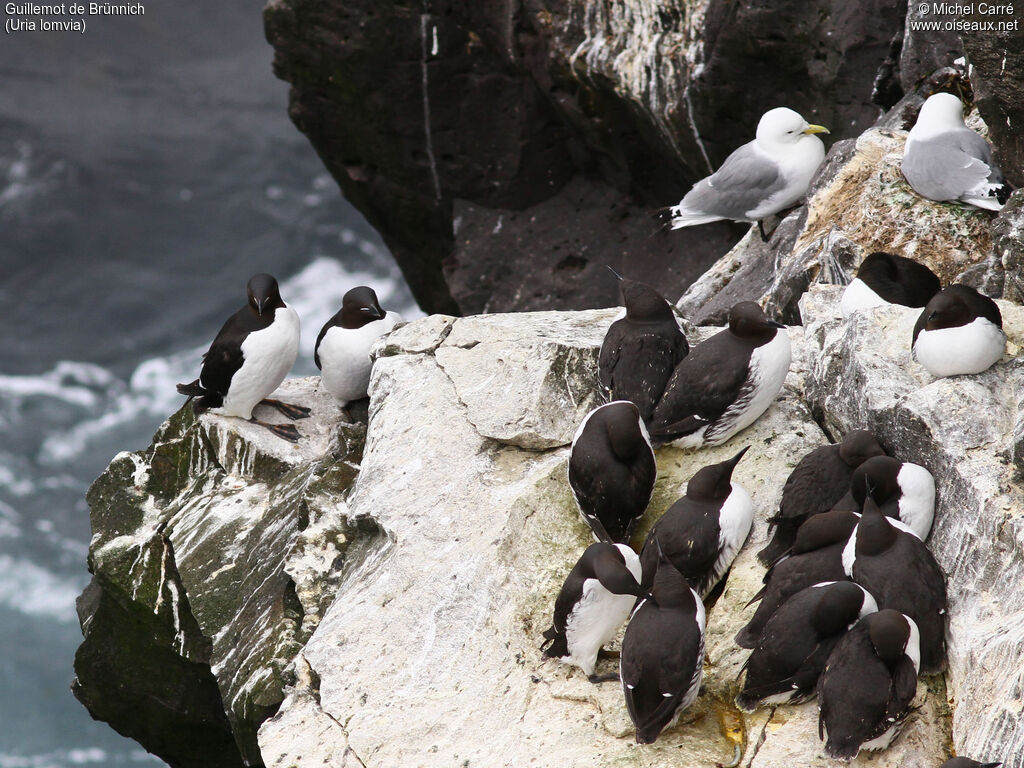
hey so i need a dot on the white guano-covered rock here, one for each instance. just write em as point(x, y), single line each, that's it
point(429, 655)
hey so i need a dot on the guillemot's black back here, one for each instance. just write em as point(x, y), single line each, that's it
point(641, 350)
point(662, 654)
point(796, 642)
point(868, 684)
point(898, 569)
point(612, 470)
point(818, 482)
point(714, 390)
point(817, 556)
point(692, 533)
point(898, 280)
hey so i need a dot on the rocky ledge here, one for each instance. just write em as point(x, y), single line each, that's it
point(353, 602)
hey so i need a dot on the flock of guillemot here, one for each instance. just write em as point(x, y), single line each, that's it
point(853, 605)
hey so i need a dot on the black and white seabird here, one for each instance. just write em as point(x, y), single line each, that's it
point(249, 359)
point(662, 659)
point(641, 349)
point(816, 556)
point(797, 641)
point(895, 566)
point(726, 382)
point(868, 684)
point(903, 491)
point(595, 599)
point(966, 762)
point(612, 470)
point(959, 332)
point(944, 160)
point(885, 278)
point(342, 351)
point(817, 483)
point(702, 533)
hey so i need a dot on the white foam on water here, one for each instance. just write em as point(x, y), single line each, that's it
point(10, 522)
point(63, 758)
point(22, 179)
point(81, 384)
point(34, 591)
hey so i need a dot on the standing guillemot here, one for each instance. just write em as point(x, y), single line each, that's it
point(885, 278)
point(249, 358)
point(944, 160)
point(895, 566)
point(702, 533)
point(797, 641)
point(959, 332)
point(726, 382)
point(612, 470)
point(817, 483)
point(868, 684)
point(595, 599)
point(902, 490)
point(966, 762)
point(816, 556)
point(642, 349)
point(662, 659)
point(342, 350)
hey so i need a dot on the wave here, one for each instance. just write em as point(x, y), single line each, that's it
point(34, 591)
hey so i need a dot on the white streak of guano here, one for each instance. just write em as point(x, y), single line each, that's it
point(426, 105)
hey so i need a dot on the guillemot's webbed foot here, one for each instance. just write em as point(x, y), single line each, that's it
point(610, 677)
point(293, 412)
point(284, 431)
point(760, 226)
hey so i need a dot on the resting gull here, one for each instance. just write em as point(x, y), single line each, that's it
point(764, 176)
point(946, 160)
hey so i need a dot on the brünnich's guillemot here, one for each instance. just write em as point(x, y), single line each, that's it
point(726, 382)
point(249, 358)
point(342, 350)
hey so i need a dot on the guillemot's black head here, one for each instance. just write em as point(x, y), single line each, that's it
point(875, 534)
point(958, 305)
point(859, 445)
point(264, 295)
point(609, 567)
point(898, 279)
point(714, 482)
point(749, 322)
point(359, 307)
point(880, 476)
point(643, 303)
point(839, 606)
point(889, 631)
point(622, 425)
point(670, 589)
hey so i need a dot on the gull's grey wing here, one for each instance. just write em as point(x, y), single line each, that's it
point(949, 165)
point(746, 179)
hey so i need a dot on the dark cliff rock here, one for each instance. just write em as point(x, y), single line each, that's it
point(200, 595)
point(524, 144)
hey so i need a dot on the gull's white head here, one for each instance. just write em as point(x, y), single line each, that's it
point(941, 110)
point(782, 126)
